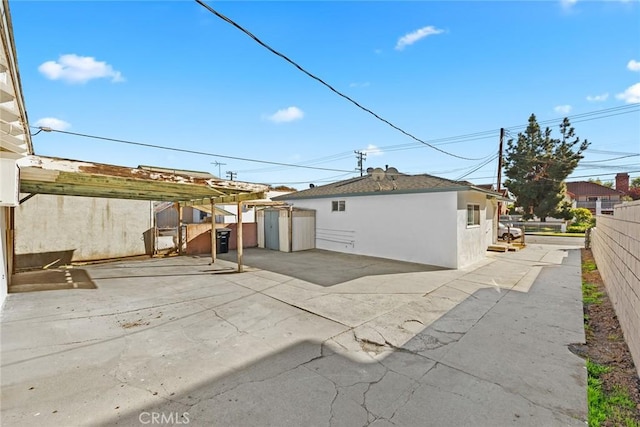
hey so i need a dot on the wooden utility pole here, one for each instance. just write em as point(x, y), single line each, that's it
point(361, 156)
point(232, 175)
point(500, 159)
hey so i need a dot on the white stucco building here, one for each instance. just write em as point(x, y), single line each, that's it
point(15, 143)
point(414, 218)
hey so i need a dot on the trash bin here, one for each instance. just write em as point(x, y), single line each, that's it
point(222, 240)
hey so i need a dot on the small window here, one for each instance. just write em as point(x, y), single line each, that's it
point(473, 215)
point(337, 206)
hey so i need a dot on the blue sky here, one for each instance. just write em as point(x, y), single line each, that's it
point(170, 73)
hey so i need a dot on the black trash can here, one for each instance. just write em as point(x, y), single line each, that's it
point(222, 240)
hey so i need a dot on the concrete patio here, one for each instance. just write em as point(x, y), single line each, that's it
point(180, 341)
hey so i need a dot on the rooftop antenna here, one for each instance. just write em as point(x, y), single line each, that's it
point(218, 164)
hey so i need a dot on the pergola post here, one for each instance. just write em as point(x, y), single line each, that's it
point(239, 241)
point(180, 240)
point(214, 236)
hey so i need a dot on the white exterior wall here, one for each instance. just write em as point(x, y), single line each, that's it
point(474, 240)
point(93, 228)
point(4, 273)
point(417, 227)
point(248, 216)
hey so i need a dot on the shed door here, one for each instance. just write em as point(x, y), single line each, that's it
point(271, 230)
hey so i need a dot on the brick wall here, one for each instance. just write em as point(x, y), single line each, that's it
point(615, 243)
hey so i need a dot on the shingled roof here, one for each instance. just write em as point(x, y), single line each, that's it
point(586, 188)
point(389, 183)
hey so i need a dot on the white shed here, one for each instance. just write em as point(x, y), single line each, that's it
point(415, 218)
point(286, 229)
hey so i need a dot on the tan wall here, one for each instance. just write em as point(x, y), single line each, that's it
point(56, 230)
point(249, 235)
point(616, 247)
point(199, 237)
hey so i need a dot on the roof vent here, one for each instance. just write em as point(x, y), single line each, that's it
point(377, 174)
point(312, 186)
point(392, 173)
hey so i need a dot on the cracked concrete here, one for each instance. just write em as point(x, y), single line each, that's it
point(380, 345)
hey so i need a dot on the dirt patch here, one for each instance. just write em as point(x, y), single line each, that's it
point(605, 342)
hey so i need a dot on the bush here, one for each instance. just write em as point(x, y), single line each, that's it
point(581, 216)
point(577, 228)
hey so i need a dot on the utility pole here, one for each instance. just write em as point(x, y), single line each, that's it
point(499, 187)
point(232, 175)
point(218, 164)
point(361, 156)
point(500, 159)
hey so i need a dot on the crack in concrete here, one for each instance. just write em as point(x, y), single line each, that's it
point(504, 388)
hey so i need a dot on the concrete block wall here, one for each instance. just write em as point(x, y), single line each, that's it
point(615, 244)
point(56, 230)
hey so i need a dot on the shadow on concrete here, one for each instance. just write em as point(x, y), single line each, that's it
point(51, 280)
point(42, 259)
point(324, 268)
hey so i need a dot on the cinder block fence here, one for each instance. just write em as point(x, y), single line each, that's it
point(615, 243)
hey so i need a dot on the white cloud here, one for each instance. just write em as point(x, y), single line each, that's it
point(286, 115)
point(568, 4)
point(411, 38)
point(79, 69)
point(373, 150)
point(562, 109)
point(631, 95)
point(598, 98)
point(53, 123)
point(358, 84)
point(633, 65)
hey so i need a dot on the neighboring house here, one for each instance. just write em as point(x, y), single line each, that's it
point(15, 143)
point(414, 218)
point(599, 199)
point(504, 207)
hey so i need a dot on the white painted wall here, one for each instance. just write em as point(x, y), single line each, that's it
point(473, 241)
point(247, 216)
point(417, 228)
point(94, 228)
point(4, 251)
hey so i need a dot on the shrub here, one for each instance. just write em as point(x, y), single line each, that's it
point(577, 228)
point(581, 216)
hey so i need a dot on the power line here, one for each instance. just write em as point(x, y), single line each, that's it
point(318, 79)
point(480, 135)
point(183, 150)
point(480, 166)
point(441, 141)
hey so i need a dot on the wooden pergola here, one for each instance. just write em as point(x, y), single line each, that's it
point(64, 177)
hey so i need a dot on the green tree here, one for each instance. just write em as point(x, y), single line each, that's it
point(536, 166)
point(634, 189)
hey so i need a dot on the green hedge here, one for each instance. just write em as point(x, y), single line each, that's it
point(578, 228)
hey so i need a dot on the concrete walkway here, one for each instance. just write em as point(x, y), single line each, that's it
point(178, 341)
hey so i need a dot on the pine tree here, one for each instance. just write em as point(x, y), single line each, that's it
point(536, 166)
